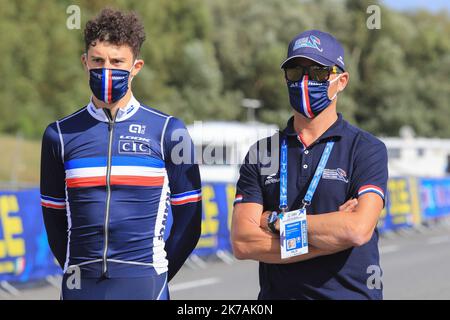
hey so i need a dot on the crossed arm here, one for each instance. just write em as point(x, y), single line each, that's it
point(328, 233)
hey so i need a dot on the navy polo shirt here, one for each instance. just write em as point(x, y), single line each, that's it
point(357, 165)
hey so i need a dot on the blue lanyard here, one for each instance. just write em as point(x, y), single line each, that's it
point(314, 182)
point(283, 176)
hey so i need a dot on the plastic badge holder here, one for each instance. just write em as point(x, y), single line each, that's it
point(293, 234)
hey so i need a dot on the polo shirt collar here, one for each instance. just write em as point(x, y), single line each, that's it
point(335, 130)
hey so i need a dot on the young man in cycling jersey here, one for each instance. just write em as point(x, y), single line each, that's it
point(111, 171)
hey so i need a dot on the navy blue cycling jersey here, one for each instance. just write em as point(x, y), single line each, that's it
point(357, 165)
point(113, 181)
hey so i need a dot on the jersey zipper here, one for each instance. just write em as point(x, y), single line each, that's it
point(111, 123)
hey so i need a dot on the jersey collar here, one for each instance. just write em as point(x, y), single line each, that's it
point(122, 114)
point(335, 130)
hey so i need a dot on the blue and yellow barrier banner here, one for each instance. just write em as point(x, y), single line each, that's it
point(25, 255)
point(217, 200)
point(435, 197)
point(24, 250)
point(401, 206)
point(217, 211)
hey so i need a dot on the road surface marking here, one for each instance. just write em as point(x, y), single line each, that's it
point(440, 239)
point(193, 284)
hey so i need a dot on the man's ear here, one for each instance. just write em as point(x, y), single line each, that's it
point(343, 81)
point(138, 65)
point(84, 61)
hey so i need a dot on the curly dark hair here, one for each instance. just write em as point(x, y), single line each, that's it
point(115, 27)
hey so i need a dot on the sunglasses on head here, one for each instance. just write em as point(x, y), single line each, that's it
point(315, 72)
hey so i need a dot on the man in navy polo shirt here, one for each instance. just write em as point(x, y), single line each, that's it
point(343, 258)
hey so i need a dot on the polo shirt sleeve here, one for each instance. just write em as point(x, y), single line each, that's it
point(370, 173)
point(248, 189)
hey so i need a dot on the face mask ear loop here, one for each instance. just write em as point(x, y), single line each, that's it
point(330, 82)
point(132, 77)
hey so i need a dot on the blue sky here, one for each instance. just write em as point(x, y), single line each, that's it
point(431, 5)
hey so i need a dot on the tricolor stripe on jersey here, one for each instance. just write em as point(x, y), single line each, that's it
point(238, 198)
point(371, 188)
point(186, 197)
point(131, 171)
point(53, 203)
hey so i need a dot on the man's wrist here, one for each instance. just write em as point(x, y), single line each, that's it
point(271, 222)
point(263, 220)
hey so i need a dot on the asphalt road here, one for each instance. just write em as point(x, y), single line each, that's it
point(415, 263)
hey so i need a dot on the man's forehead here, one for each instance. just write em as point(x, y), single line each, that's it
point(104, 48)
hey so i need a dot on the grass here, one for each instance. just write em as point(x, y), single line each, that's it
point(19, 161)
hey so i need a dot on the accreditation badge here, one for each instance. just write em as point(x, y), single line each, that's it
point(293, 233)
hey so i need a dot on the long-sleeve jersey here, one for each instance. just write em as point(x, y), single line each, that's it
point(106, 188)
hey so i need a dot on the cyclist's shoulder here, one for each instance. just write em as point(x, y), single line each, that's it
point(169, 122)
point(153, 112)
point(73, 116)
point(53, 130)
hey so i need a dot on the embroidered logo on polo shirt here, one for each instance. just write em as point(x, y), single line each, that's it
point(335, 174)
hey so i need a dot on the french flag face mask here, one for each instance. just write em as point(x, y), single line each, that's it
point(309, 97)
point(109, 85)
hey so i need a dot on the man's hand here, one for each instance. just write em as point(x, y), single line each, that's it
point(348, 206)
point(352, 227)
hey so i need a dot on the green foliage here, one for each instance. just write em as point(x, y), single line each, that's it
point(204, 56)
